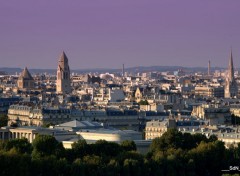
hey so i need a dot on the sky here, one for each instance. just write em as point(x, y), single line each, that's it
point(109, 33)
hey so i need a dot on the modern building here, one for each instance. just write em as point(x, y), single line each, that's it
point(77, 125)
point(112, 135)
point(63, 85)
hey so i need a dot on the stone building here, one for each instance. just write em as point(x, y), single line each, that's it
point(209, 91)
point(231, 88)
point(63, 75)
point(156, 128)
point(25, 81)
point(27, 114)
point(214, 114)
point(30, 133)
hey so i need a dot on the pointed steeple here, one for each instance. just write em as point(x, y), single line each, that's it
point(26, 75)
point(231, 87)
point(231, 68)
point(63, 75)
point(63, 61)
point(63, 57)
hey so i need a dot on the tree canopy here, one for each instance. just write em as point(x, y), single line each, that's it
point(172, 154)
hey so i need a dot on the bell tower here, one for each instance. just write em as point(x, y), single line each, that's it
point(63, 85)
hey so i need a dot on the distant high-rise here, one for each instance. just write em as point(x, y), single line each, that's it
point(123, 71)
point(209, 68)
point(231, 88)
point(25, 80)
point(63, 75)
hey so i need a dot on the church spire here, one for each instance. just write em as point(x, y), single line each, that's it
point(63, 75)
point(230, 68)
point(231, 87)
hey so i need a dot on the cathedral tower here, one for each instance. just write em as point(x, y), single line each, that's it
point(63, 75)
point(231, 88)
point(25, 81)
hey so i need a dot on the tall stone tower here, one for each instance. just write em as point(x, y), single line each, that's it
point(63, 75)
point(209, 68)
point(25, 81)
point(231, 88)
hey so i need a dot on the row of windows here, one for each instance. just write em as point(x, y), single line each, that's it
point(154, 134)
point(59, 116)
point(156, 129)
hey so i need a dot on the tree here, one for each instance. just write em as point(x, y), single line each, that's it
point(77, 168)
point(21, 145)
point(3, 120)
point(92, 165)
point(170, 139)
point(213, 138)
point(143, 102)
point(45, 145)
point(210, 156)
point(81, 148)
point(15, 163)
point(47, 124)
point(128, 145)
point(104, 148)
point(113, 167)
point(131, 167)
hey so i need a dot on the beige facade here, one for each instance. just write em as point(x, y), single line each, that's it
point(30, 133)
point(63, 75)
point(212, 113)
point(28, 115)
point(110, 135)
point(138, 95)
point(156, 129)
point(25, 81)
point(207, 91)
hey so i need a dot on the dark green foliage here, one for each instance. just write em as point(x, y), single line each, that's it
point(128, 145)
point(235, 120)
point(14, 163)
point(172, 154)
point(143, 102)
point(46, 145)
point(171, 139)
point(104, 148)
point(80, 148)
point(3, 120)
point(21, 145)
point(47, 125)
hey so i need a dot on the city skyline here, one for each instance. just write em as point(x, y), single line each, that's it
point(108, 34)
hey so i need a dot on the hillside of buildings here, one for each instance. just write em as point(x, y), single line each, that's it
point(11, 71)
point(178, 121)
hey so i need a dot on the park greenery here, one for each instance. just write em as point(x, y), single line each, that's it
point(174, 153)
point(3, 120)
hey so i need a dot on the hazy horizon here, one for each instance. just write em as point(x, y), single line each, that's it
point(106, 34)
